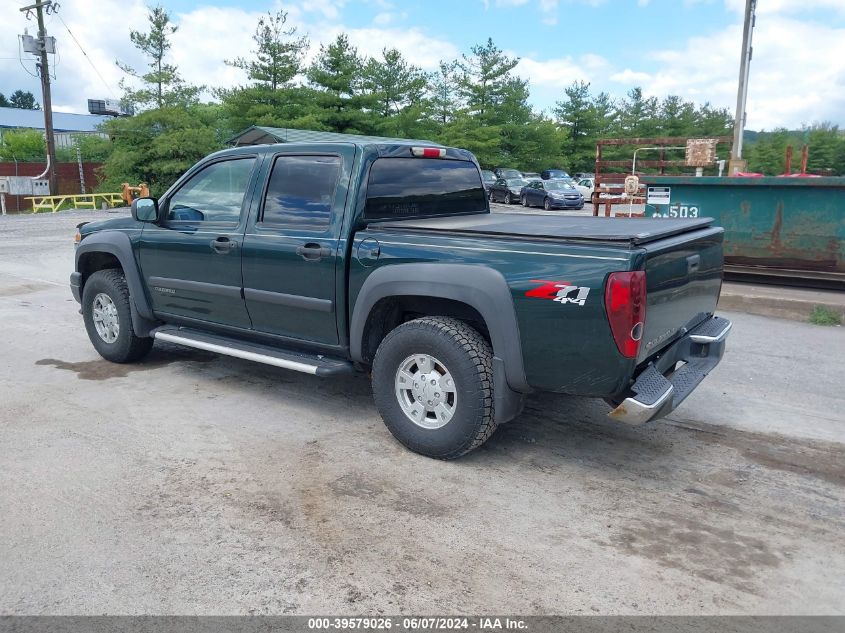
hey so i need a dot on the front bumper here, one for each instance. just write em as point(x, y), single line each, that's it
point(75, 285)
point(660, 388)
point(563, 203)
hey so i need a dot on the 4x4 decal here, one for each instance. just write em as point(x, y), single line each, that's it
point(560, 291)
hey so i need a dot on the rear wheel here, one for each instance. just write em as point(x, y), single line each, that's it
point(433, 385)
point(108, 318)
point(490, 196)
point(524, 201)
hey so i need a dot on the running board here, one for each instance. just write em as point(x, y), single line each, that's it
point(314, 364)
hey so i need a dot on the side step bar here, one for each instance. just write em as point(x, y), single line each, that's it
point(314, 364)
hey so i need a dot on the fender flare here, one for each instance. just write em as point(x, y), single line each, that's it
point(118, 244)
point(480, 287)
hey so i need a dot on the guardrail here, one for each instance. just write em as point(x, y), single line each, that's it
point(77, 201)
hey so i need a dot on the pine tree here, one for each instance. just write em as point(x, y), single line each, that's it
point(278, 56)
point(393, 83)
point(337, 77)
point(485, 80)
point(444, 91)
point(162, 86)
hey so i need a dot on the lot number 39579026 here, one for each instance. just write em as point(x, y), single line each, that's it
point(678, 211)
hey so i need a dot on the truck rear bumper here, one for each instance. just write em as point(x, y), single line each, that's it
point(660, 388)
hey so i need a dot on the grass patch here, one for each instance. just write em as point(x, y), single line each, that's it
point(822, 315)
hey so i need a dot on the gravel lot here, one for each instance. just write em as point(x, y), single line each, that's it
point(199, 484)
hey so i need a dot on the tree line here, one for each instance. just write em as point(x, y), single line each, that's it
point(477, 102)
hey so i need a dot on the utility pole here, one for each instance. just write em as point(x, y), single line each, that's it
point(44, 72)
point(736, 163)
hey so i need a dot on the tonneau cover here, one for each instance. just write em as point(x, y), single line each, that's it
point(632, 230)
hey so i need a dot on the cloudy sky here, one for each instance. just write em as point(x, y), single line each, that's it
point(685, 47)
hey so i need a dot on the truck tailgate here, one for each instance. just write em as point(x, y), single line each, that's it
point(683, 279)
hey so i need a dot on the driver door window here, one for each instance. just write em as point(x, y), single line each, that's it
point(215, 194)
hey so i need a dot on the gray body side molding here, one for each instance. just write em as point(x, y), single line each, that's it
point(483, 288)
point(117, 243)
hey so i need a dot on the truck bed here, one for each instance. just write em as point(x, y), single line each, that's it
point(633, 231)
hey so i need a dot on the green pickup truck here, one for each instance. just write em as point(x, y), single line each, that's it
point(330, 258)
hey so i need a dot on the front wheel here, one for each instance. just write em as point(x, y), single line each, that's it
point(490, 196)
point(108, 318)
point(507, 198)
point(524, 201)
point(433, 386)
point(546, 205)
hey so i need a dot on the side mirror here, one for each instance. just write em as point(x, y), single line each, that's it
point(145, 209)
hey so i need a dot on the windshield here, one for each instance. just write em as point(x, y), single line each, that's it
point(516, 182)
point(487, 176)
point(557, 173)
point(510, 173)
point(556, 186)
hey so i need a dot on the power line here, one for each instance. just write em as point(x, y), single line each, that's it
point(76, 41)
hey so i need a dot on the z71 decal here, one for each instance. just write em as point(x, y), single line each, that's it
point(560, 291)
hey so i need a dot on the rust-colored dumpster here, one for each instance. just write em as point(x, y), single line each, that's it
point(781, 226)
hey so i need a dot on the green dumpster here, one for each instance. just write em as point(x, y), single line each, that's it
point(780, 223)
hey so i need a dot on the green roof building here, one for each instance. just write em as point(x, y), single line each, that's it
point(259, 135)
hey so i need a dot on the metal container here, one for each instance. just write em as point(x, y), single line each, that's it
point(781, 224)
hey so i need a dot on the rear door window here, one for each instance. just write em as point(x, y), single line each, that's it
point(301, 192)
point(421, 187)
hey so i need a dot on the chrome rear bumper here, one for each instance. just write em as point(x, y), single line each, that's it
point(660, 388)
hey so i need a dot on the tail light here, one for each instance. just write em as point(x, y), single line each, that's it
point(624, 302)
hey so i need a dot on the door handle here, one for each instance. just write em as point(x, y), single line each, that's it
point(312, 252)
point(223, 245)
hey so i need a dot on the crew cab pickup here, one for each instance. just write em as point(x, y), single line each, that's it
point(330, 258)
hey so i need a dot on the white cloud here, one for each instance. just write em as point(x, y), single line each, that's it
point(789, 84)
point(329, 9)
point(75, 80)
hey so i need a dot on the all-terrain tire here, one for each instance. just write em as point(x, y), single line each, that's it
point(127, 347)
point(469, 360)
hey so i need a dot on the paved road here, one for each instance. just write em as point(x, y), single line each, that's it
point(193, 483)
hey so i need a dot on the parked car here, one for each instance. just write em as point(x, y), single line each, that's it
point(332, 258)
point(551, 194)
point(585, 187)
point(487, 178)
point(553, 174)
point(531, 175)
point(506, 190)
point(507, 172)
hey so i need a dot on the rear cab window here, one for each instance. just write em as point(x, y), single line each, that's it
point(423, 187)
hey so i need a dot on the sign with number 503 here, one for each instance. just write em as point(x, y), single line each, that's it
point(678, 211)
